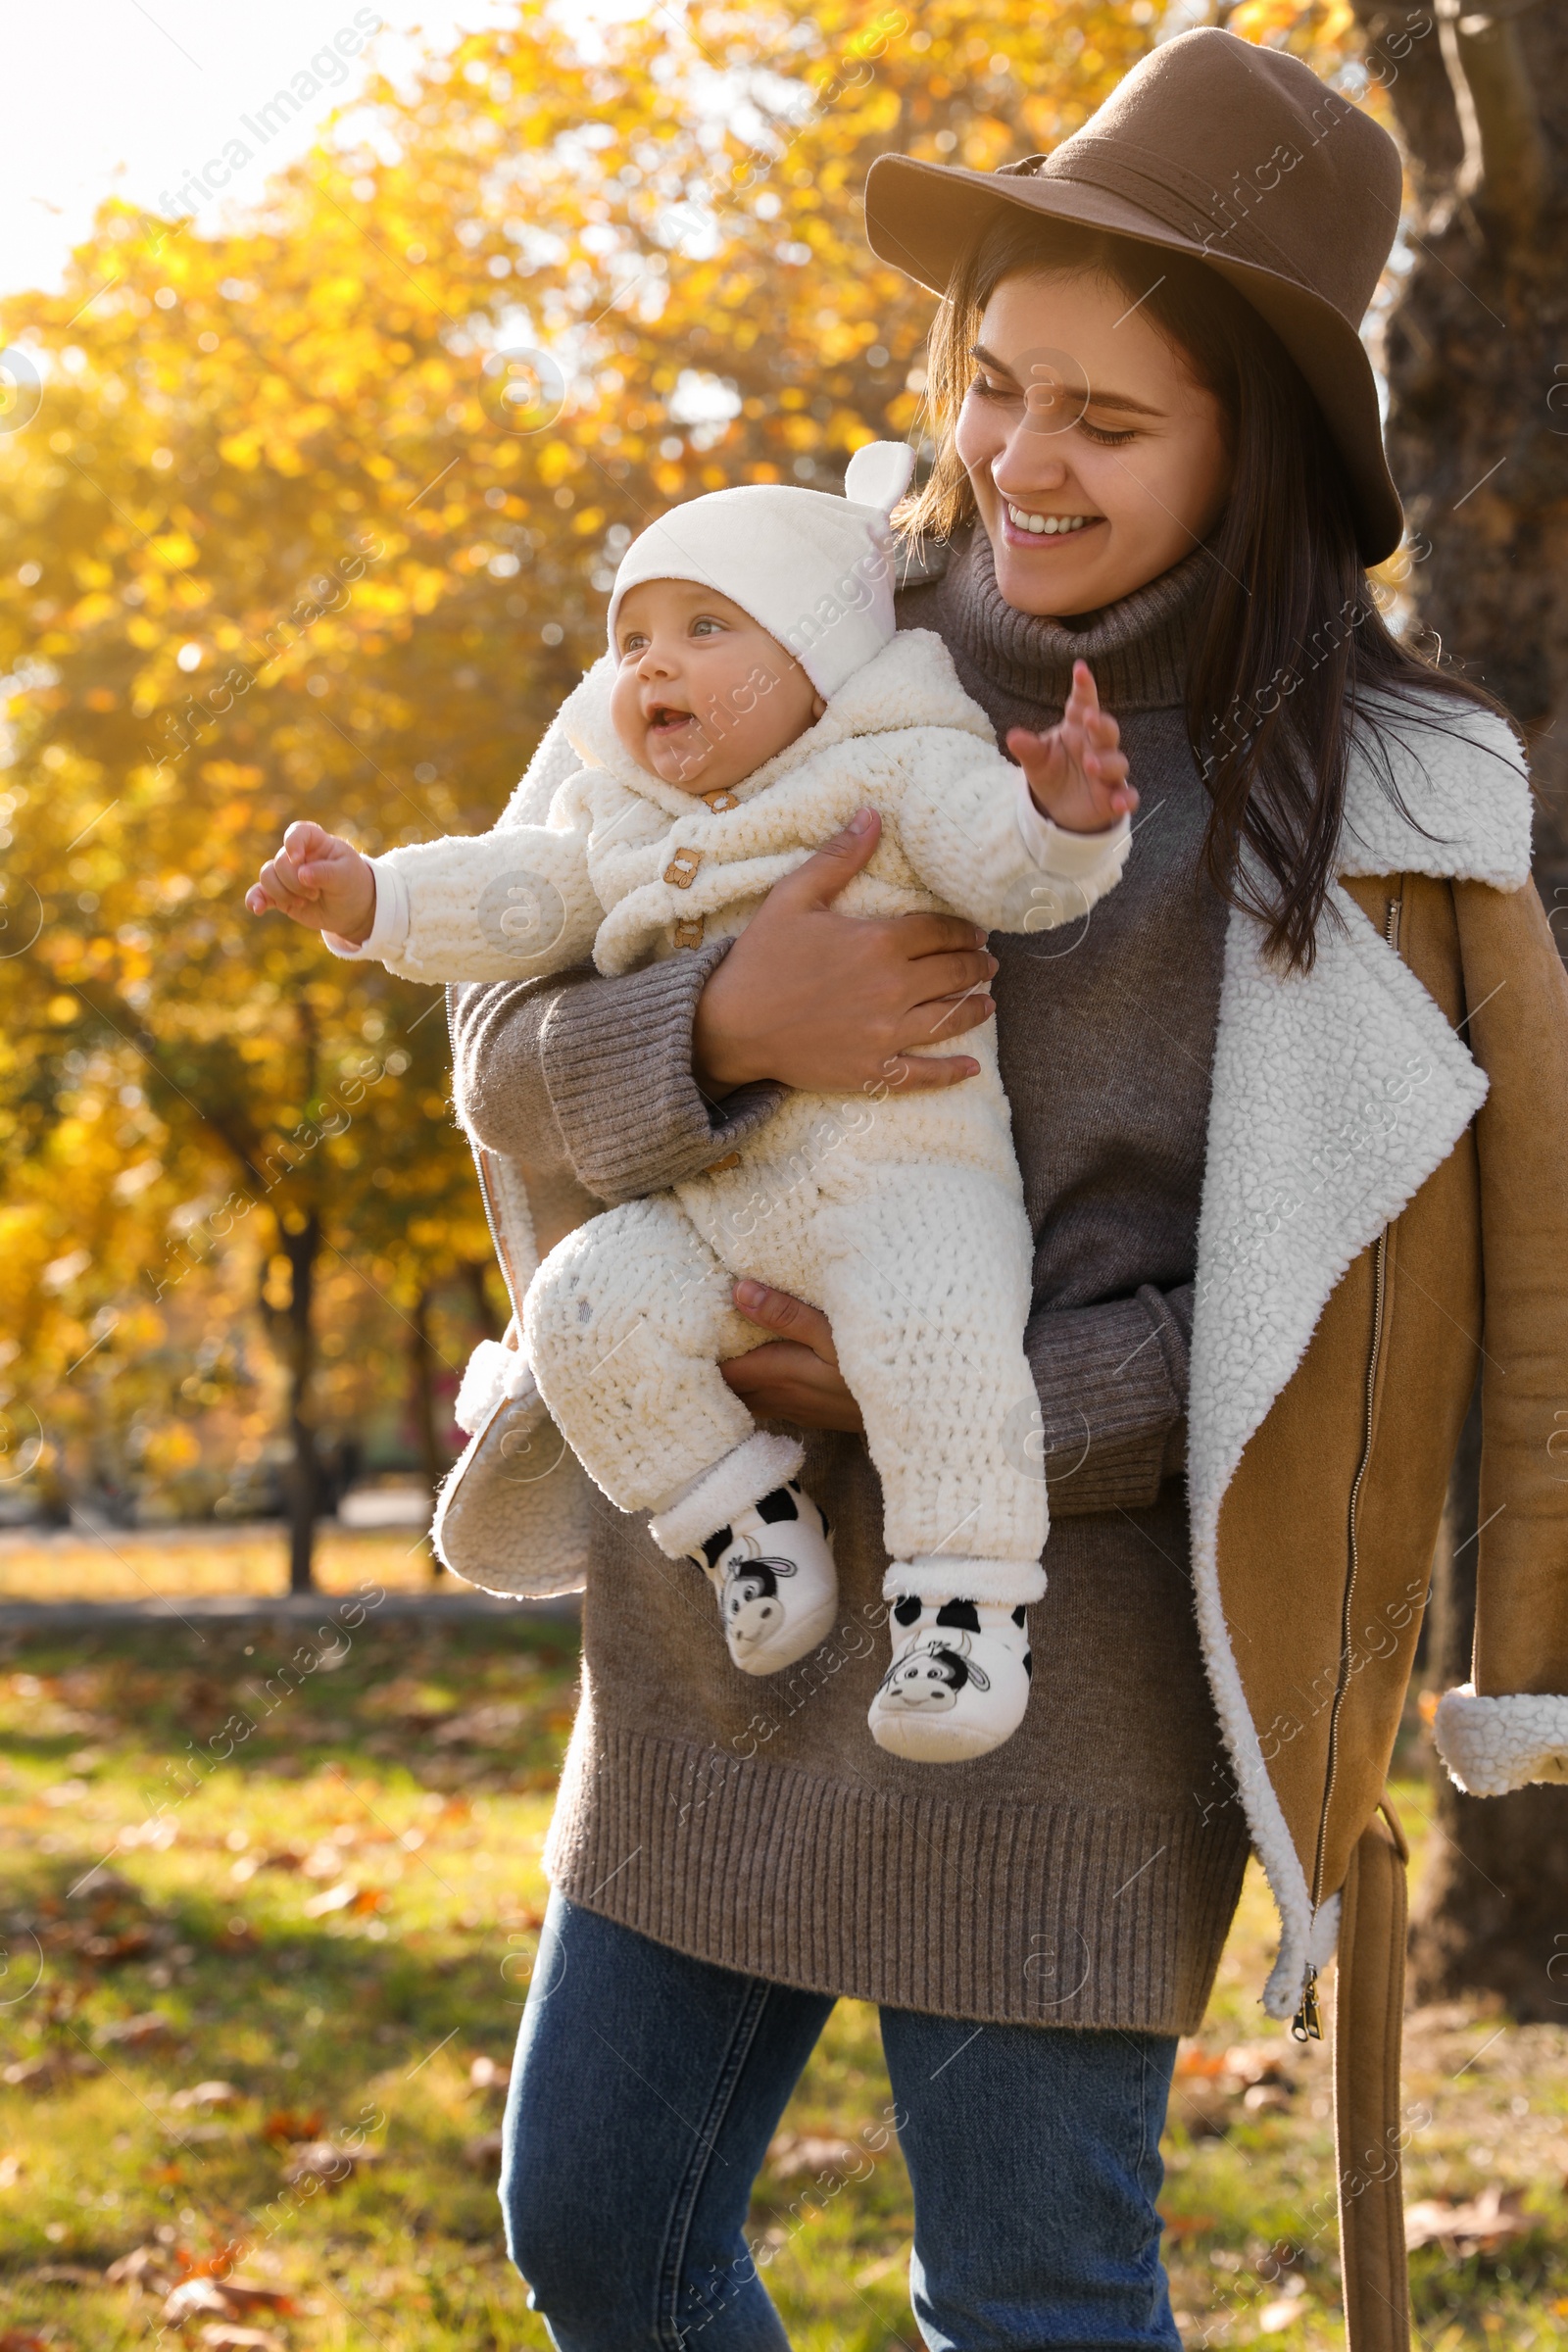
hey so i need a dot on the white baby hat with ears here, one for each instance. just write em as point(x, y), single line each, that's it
point(814, 569)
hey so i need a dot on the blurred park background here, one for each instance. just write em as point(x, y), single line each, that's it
point(320, 437)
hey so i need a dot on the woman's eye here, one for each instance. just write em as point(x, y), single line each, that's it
point(1103, 433)
point(987, 390)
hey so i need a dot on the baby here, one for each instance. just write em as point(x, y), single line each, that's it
point(756, 695)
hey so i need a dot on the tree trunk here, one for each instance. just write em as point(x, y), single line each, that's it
point(302, 1249)
point(422, 1358)
point(484, 1314)
point(1476, 353)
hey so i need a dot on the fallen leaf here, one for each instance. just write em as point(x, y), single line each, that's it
point(107, 1949)
point(206, 2094)
point(1252, 2062)
point(145, 2270)
point(134, 2033)
point(1482, 2227)
point(326, 2160)
point(21, 2339)
point(227, 2338)
point(65, 2273)
point(334, 1899)
point(192, 2297)
point(31, 2073)
point(251, 2294)
point(1187, 2225)
point(293, 2123)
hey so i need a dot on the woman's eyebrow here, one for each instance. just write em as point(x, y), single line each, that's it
point(1124, 401)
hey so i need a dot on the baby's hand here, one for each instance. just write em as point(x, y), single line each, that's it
point(1077, 774)
point(321, 881)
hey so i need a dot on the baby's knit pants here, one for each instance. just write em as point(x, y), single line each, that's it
point(924, 1274)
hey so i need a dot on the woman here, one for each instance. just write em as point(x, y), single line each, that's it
point(1158, 450)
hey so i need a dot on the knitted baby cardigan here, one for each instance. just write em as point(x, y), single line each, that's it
point(617, 864)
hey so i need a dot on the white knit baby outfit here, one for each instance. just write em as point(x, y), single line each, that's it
point(902, 1217)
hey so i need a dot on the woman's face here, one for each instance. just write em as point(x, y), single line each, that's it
point(1098, 461)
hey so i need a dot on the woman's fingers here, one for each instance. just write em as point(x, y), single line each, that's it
point(785, 1381)
point(924, 1073)
point(921, 935)
point(780, 1312)
point(952, 975)
point(818, 881)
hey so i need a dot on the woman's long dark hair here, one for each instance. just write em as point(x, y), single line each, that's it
point(1289, 643)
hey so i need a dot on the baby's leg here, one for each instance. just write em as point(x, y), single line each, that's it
point(926, 1281)
point(626, 1323)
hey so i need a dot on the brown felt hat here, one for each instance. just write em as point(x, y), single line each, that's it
point(1237, 155)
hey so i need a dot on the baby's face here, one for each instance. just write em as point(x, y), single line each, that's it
point(703, 694)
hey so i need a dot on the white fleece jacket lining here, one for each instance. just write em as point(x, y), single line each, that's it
point(1493, 1745)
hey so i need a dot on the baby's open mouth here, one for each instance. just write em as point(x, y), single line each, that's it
point(666, 719)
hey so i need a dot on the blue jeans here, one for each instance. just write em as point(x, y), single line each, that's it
point(645, 2091)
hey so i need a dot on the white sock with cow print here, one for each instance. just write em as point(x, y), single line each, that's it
point(958, 1683)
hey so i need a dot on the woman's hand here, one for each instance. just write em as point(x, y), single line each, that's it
point(1077, 773)
point(795, 1376)
point(835, 1003)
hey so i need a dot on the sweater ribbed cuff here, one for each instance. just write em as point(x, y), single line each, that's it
point(1112, 1385)
point(618, 1063)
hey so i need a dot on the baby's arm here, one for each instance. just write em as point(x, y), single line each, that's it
point(972, 826)
point(500, 906)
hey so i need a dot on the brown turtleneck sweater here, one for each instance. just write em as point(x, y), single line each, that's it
point(1085, 1872)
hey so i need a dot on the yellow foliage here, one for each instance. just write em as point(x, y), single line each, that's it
point(254, 600)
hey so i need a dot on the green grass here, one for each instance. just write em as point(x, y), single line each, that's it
point(423, 1762)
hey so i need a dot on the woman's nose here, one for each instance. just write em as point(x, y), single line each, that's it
point(1027, 465)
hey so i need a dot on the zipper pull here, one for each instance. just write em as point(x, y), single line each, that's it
point(1307, 2022)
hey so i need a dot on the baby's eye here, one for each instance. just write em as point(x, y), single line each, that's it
point(633, 644)
point(704, 625)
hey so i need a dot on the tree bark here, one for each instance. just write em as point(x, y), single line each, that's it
point(301, 1247)
point(1476, 352)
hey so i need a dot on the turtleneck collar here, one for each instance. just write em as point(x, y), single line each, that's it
point(1138, 648)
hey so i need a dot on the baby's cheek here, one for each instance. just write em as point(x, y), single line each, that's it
point(626, 716)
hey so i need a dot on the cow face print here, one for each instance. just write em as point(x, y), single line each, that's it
point(750, 1603)
point(927, 1679)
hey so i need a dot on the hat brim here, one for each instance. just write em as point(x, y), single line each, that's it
point(923, 217)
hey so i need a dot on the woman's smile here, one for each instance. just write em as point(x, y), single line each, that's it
point(1024, 526)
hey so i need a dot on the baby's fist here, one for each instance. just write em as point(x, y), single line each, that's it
point(321, 881)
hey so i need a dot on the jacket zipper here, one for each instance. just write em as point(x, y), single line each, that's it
point(492, 1217)
point(1308, 2023)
